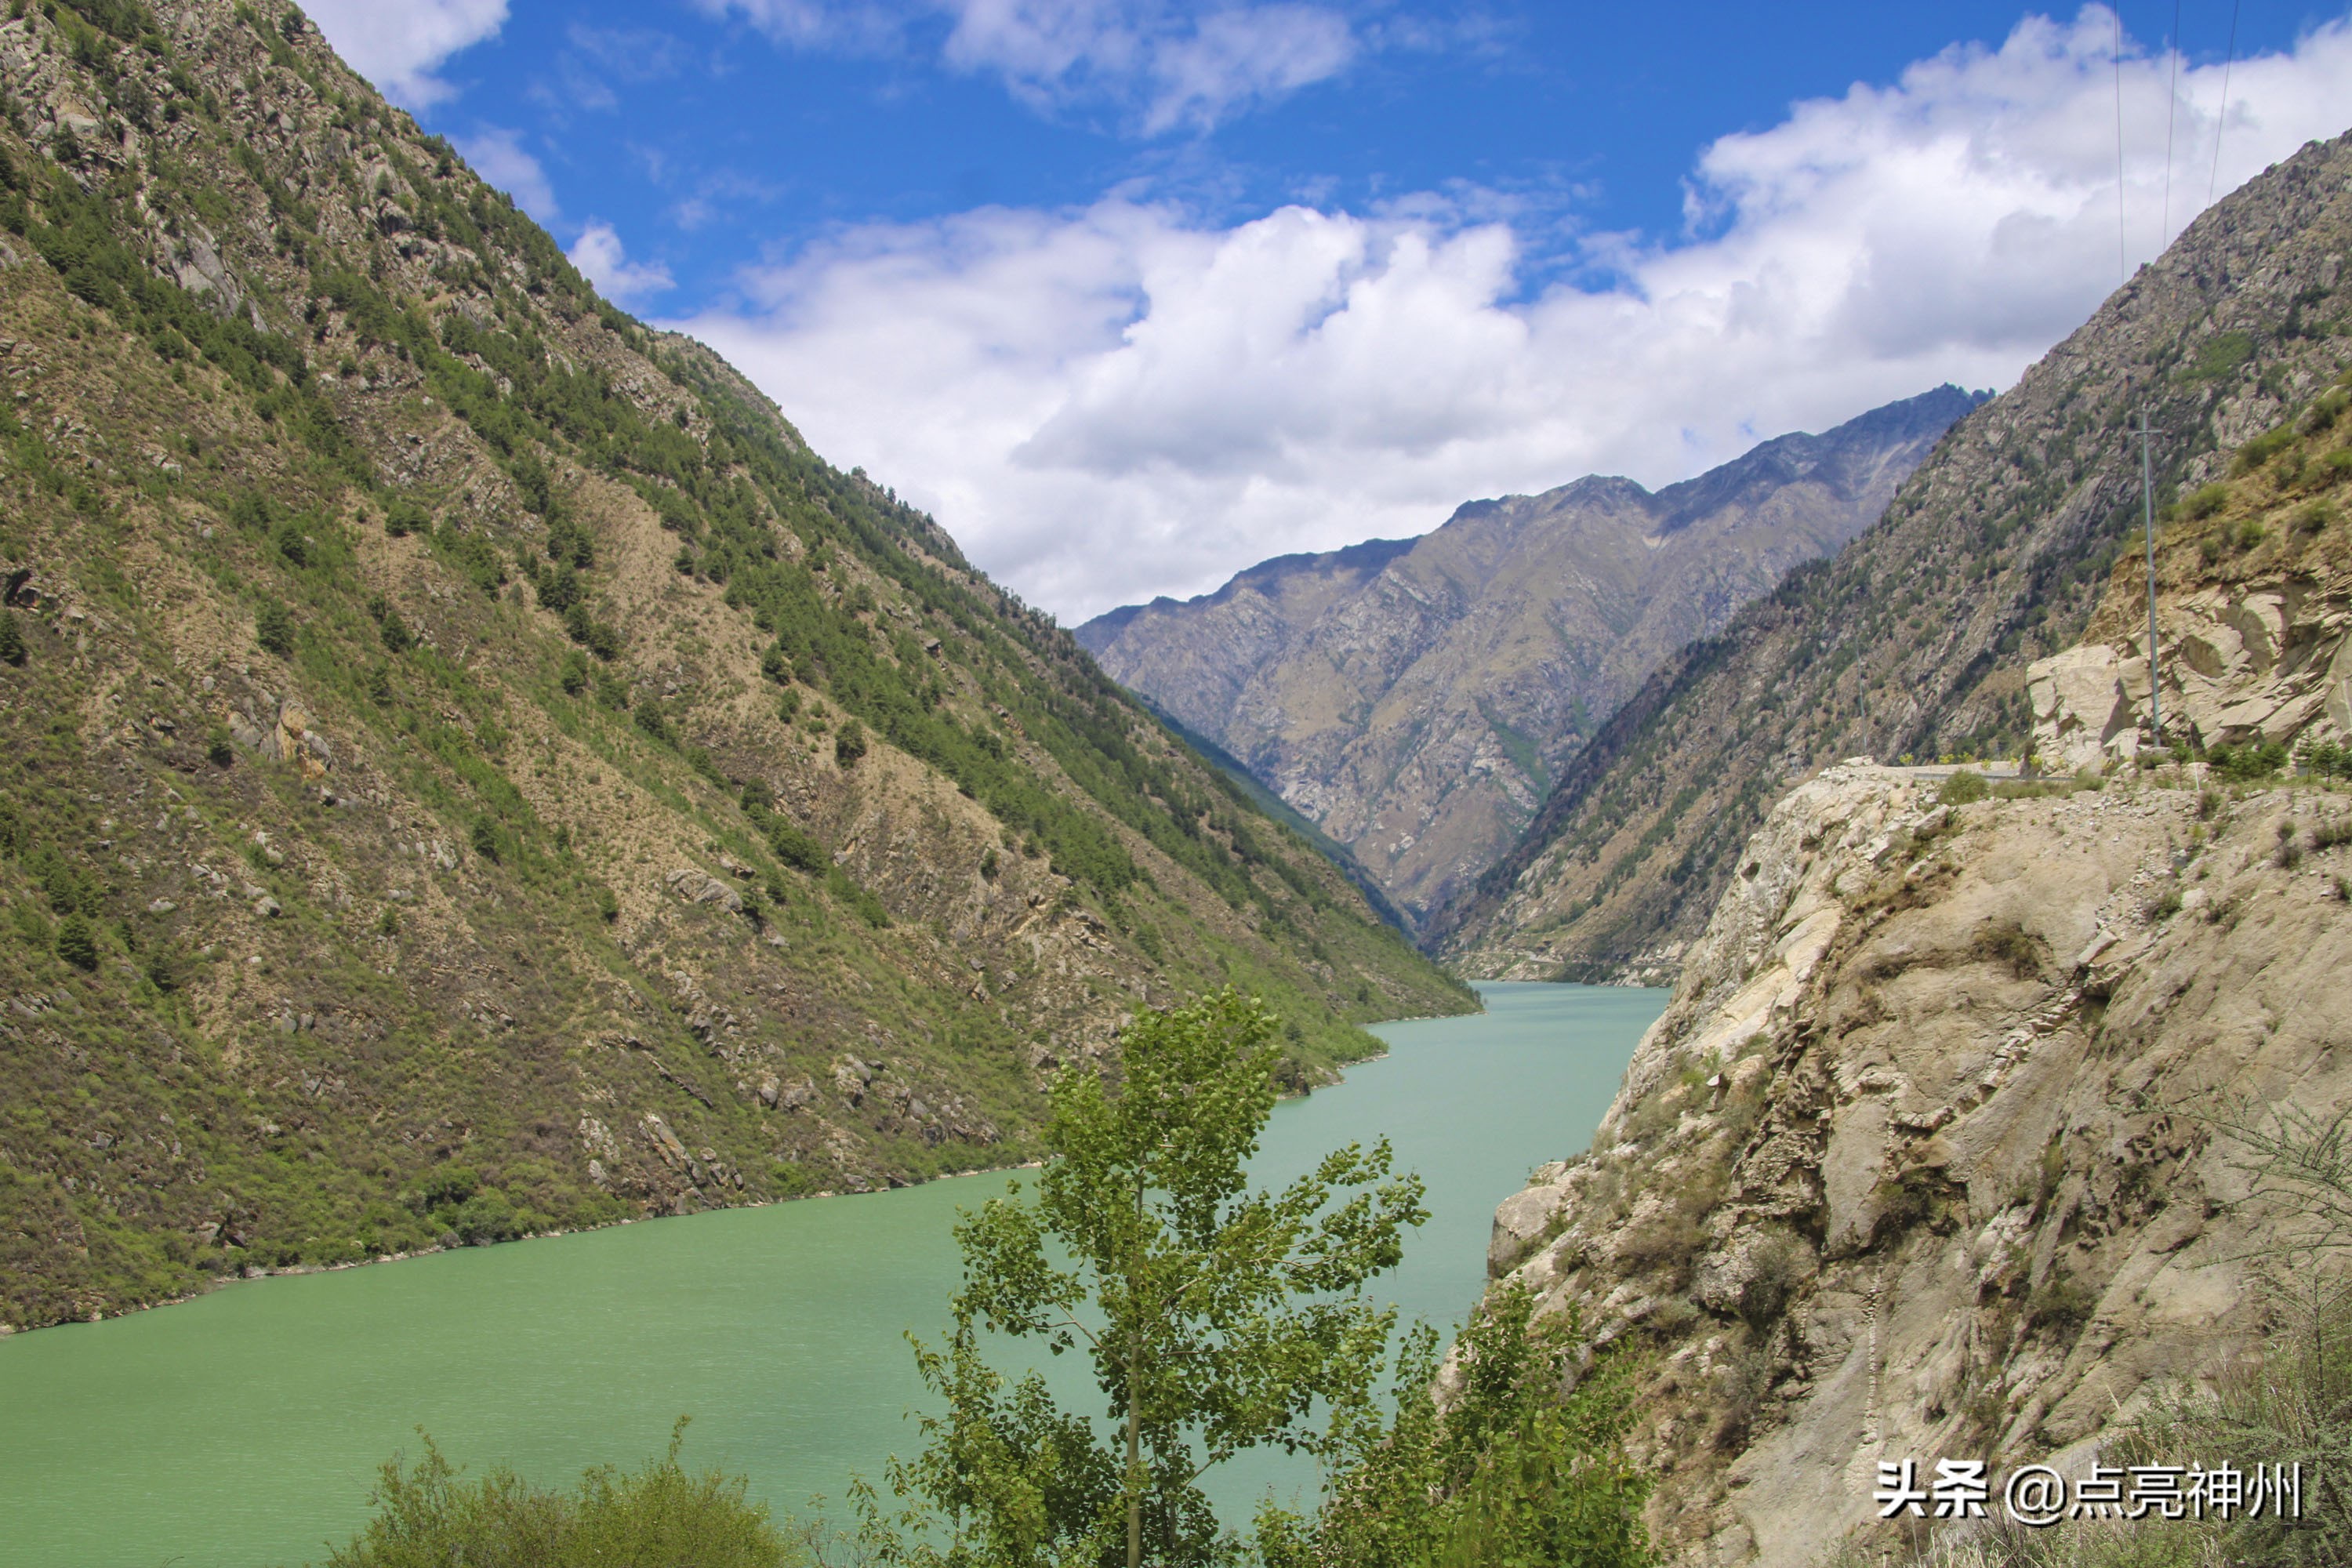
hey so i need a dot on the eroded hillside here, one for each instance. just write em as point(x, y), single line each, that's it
point(469, 768)
point(1918, 1161)
point(2253, 606)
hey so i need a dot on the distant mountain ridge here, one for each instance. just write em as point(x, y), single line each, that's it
point(1917, 639)
point(1415, 698)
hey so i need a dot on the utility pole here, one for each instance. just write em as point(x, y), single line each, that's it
point(2147, 512)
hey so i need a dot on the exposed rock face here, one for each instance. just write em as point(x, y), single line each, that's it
point(1195, 657)
point(2254, 608)
point(1917, 637)
point(1903, 1171)
point(1416, 698)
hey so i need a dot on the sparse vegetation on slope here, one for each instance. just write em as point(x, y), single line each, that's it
point(469, 769)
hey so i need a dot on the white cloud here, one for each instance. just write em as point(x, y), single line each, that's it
point(499, 156)
point(399, 44)
point(1165, 65)
point(1120, 401)
point(601, 260)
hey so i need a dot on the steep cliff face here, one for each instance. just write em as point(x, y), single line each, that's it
point(1912, 1166)
point(1416, 700)
point(1916, 639)
point(467, 767)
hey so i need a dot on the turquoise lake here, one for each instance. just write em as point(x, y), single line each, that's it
point(246, 1428)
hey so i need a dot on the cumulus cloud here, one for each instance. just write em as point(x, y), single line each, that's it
point(398, 47)
point(1120, 401)
point(499, 156)
point(1167, 66)
point(599, 255)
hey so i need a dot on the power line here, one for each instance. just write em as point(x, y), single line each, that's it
point(2148, 511)
point(2172, 109)
point(2221, 121)
point(2123, 235)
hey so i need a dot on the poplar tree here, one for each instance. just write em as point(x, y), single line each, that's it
point(1216, 1315)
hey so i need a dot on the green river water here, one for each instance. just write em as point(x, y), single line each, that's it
point(245, 1428)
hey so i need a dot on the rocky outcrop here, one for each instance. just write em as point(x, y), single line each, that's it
point(1912, 1165)
point(1916, 639)
point(1416, 698)
point(2253, 614)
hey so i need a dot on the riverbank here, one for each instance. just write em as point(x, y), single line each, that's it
point(246, 1426)
point(252, 1272)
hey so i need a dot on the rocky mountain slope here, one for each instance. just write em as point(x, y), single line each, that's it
point(1918, 1161)
point(1916, 639)
point(467, 767)
point(1416, 698)
point(2254, 581)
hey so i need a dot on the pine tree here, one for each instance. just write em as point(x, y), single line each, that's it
point(77, 942)
point(273, 629)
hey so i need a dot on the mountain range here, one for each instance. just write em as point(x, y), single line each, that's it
point(1914, 643)
point(1417, 699)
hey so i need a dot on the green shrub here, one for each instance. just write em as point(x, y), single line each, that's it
point(402, 517)
point(798, 850)
point(2006, 943)
point(2263, 448)
point(2250, 763)
point(12, 638)
point(396, 636)
point(1963, 787)
point(166, 970)
point(217, 748)
point(2203, 503)
point(849, 743)
point(660, 1517)
point(2220, 356)
point(2061, 1301)
point(273, 629)
point(1515, 1472)
point(2249, 533)
point(77, 941)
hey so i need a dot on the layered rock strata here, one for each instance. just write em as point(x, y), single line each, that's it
point(1914, 1164)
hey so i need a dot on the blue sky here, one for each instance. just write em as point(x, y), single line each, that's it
point(1132, 294)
